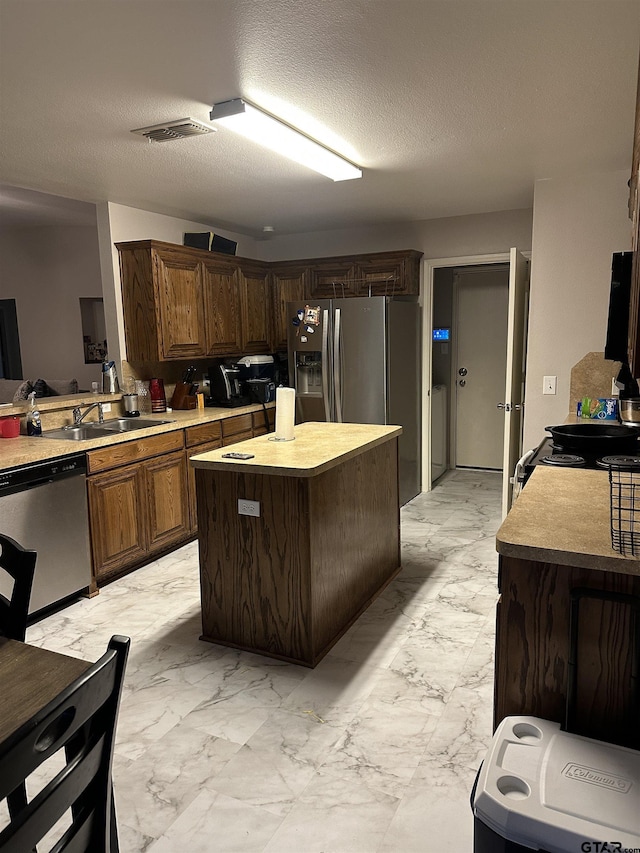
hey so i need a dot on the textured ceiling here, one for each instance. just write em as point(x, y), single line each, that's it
point(450, 107)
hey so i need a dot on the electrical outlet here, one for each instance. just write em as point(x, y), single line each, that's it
point(106, 408)
point(549, 384)
point(249, 508)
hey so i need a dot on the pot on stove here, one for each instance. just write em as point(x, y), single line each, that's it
point(629, 410)
point(595, 438)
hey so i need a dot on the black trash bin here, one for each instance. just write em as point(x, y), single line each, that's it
point(544, 789)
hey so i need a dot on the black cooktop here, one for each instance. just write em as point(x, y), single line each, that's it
point(547, 453)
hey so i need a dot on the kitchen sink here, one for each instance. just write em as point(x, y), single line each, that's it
point(128, 424)
point(85, 432)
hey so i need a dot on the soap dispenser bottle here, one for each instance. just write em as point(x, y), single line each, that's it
point(34, 424)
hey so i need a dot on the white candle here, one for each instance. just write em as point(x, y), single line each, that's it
point(285, 413)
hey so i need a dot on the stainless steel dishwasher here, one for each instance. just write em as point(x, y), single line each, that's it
point(43, 506)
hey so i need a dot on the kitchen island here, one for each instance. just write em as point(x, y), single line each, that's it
point(297, 541)
point(555, 554)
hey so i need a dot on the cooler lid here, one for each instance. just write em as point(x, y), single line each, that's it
point(249, 360)
point(545, 788)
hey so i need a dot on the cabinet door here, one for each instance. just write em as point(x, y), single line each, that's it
point(117, 519)
point(179, 282)
point(257, 308)
point(221, 307)
point(259, 422)
point(388, 275)
point(191, 480)
point(139, 302)
point(634, 214)
point(332, 279)
point(237, 428)
point(165, 487)
point(289, 284)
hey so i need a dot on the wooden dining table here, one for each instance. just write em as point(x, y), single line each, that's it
point(30, 677)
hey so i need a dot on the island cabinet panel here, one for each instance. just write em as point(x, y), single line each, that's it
point(353, 541)
point(221, 308)
point(289, 582)
point(255, 590)
point(533, 648)
point(256, 307)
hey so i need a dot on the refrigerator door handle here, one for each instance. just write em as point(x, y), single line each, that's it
point(337, 365)
point(325, 365)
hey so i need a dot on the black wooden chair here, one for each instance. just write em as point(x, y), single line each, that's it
point(20, 564)
point(82, 719)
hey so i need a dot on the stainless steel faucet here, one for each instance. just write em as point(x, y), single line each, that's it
point(79, 415)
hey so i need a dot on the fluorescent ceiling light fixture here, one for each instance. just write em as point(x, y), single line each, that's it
point(253, 123)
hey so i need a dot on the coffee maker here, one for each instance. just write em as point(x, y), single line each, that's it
point(227, 387)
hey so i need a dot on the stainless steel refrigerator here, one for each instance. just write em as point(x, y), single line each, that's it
point(357, 360)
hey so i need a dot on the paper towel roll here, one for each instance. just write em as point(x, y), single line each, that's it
point(285, 414)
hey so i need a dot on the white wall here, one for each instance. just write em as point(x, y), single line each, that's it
point(117, 223)
point(577, 225)
point(456, 236)
point(46, 270)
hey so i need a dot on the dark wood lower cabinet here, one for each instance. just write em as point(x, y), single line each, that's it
point(142, 495)
point(138, 505)
point(167, 505)
point(533, 657)
point(118, 529)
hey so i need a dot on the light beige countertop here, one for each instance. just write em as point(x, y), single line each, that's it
point(317, 447)
point(562, 516)
point(24, 450)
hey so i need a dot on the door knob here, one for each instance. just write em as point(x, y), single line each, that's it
point(505, 406)
point(463, 371)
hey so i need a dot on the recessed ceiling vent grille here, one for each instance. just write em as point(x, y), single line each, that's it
point(179, 129)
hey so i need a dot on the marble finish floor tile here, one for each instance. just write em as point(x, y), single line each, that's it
point(373, 751)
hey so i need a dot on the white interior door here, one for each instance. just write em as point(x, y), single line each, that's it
point(481, 309)
point(515, 374)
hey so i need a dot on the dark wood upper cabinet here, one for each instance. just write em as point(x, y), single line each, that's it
point(289, 283)
point(256, 306)
point(182, 303)
point(221, 307)
point(634, 213)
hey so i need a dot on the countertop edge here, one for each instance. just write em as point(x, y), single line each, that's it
point(29, 449)
point(205, 462)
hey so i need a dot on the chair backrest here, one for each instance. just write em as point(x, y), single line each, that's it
point(20, 564)
point(82, 719)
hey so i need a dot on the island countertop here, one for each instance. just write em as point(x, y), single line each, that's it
point(317, 447)
point(563, 516)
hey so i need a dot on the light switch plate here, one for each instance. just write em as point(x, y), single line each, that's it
point(549, 384)
point(106, 408)
point(246, 507)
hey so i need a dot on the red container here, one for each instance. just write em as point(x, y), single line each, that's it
point(10, 427)
point(158, 398)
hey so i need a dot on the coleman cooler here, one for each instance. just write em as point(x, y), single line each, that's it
point(544, 789)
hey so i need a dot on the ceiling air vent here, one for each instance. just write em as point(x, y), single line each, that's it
point(178, 129)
